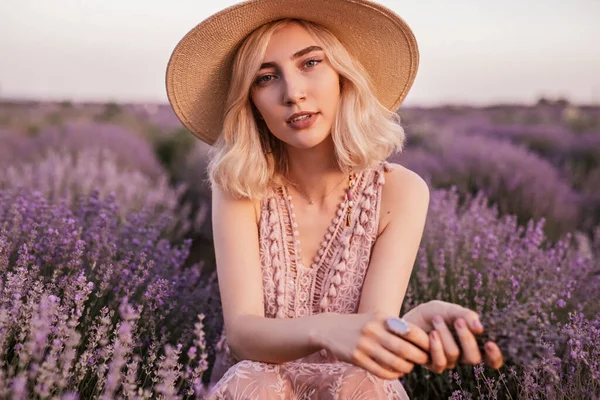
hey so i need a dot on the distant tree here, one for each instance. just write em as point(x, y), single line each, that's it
point(111, 110)
point(543, 101)
point(562, 102)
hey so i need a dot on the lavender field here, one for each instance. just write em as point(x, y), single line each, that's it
point(107, 276)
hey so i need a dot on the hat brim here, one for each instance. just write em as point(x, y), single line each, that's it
point(200, 67)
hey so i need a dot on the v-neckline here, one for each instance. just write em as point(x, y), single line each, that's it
point(327, 238)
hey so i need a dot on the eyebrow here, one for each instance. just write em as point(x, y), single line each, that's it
point(296, 55)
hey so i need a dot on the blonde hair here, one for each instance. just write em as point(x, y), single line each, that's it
point(246, 157)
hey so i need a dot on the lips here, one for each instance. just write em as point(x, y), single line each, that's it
point(305, 122)
point(297, 115)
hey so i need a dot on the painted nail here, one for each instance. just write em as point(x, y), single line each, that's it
point(477, 324)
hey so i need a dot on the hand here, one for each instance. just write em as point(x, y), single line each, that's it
point(444, 351)
point(363, 340)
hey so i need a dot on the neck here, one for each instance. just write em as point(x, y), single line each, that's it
point(315, 171)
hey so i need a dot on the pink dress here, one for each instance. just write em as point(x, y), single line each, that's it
point(332, 283)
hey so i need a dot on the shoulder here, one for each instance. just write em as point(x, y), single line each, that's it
point(224, 203)
point(400, 180)
point(404, 191)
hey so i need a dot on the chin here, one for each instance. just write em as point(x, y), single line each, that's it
point(308, 141)
point(304, 145)
point(304, 139)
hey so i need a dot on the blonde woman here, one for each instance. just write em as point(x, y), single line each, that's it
point(315, 234)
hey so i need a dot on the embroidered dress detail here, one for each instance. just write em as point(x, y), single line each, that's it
point(331, 283)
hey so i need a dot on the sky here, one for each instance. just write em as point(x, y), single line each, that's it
point(472, 51)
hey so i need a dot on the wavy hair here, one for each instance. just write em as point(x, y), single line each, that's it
point(247, 158)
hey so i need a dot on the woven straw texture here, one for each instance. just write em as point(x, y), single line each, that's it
point(199, 70)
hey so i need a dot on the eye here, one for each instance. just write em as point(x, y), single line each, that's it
point(261, 80)
point(312, 62)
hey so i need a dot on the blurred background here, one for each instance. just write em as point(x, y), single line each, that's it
point(525, 74)
point(505, 108)
point(472, 52)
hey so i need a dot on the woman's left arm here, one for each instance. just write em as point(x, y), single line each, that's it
point(403, 212)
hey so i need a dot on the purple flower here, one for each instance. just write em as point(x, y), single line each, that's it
point(515, 278)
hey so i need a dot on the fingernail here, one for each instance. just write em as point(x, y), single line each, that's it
point(460, 323)
point(433, 335)
point(477, 324)
point(437, 320)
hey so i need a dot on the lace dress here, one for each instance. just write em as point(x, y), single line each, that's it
point(332, 283)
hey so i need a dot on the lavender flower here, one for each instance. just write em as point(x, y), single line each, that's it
point(96, 299)
point(518, 181)
point(122, 347)
point(64, 271)
point(520, 283)
point(131, 151)
point(168, 373)
point(62, 177)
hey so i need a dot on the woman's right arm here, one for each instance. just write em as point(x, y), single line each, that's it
point(252, 336)
point(249, 334)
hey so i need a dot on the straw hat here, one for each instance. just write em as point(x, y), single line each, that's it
point(199, 70)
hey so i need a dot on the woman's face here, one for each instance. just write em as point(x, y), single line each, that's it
point(296, 78)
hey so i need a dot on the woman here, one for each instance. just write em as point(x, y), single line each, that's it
point(315, 234)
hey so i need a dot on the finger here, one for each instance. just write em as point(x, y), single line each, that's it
point(362, 360)
point(390, 359)
point(401, 347)
point(450, 346)
point(493, 356)
point(418, 337)
point(415, 335)
point(469, 349)
point(438, 357)
point(392, 362)
point(451, 312)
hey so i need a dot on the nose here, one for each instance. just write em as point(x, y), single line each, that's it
point(294, 90)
